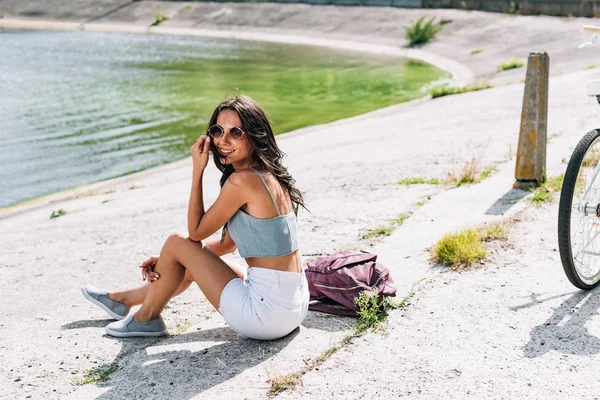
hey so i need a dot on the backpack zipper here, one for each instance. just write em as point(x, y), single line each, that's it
point(354, 287)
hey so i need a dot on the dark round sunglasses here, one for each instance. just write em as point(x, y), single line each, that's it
point(217, 131)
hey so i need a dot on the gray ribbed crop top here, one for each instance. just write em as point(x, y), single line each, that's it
point(264, 237)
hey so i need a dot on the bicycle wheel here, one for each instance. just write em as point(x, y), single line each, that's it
point(579, 214)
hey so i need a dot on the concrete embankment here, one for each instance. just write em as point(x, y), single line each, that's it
point(513, 329)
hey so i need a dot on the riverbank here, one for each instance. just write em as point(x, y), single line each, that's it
point(496, 332)
point(498, 36)
point(379, 30)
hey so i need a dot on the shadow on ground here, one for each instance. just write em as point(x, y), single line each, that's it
point(188, 364)
point(566, 331)
point(504, 203)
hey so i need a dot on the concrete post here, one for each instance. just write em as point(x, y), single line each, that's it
point(531, 153)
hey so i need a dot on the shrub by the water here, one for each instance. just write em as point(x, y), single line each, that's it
point(159, 16)
point(422, 32)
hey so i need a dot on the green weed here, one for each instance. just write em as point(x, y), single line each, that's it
point(591, 158)
point(554, 183)
point(422, 32)
point(373, 311)
point(285, 382)
point(98, 374)
point(510, 64)
point(372, 315)
point(466, 246)
point(486, 172)
point(380, 231)
point(58, 213)
point(446, 90)
point(545, 192)
point(418, 181)
point(493, 232)
point(467, 173)
point(159, 16)
point(399, 221)
point(476, 51)
point(385, 230)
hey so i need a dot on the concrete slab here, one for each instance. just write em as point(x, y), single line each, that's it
point(75, 10)
point(471, 333)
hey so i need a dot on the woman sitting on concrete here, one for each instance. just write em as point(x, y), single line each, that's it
point(257, 209)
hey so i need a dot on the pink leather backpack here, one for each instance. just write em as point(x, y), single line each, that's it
point(336, 280)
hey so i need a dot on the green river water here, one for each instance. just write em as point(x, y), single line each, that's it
point(80, 107)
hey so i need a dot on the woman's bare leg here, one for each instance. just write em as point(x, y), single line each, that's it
point(178, 255)
point(136, 296)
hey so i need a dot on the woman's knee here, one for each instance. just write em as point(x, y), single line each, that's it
point(179, 241)
point(174, 241)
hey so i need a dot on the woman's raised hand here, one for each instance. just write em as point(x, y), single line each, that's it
point(148, 269)
point(200, 152)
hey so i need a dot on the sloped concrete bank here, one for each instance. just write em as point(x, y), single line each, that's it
point(499, 332)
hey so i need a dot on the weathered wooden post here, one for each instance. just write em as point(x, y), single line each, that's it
point(531, 153)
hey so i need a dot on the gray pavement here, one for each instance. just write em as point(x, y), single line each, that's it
point(507, 330)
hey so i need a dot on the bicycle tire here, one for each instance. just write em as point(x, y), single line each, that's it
point(565, 209)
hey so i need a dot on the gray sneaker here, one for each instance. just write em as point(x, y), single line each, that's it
point(128, 328)
point(100, 298)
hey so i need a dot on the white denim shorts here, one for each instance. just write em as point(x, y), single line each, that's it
point(267, 305)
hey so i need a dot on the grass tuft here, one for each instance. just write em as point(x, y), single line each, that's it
point(400, 220)
point(446, 90)
point(419, 181)
point(159, 16)
point(372, 315)
point(591, 158)
point(98, 374)
point(545, 192)
point(385, 230)
point(493, 232)
point(466, 246)
point(468, 173)
point(380, 231)
point(554, 183)
point(510, 64)
point(373, 311)
point(285, 382)
point(58, 213)
point(486, 172)
point(421, 32)
point(476, 51)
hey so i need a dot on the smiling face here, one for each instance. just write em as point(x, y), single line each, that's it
point(239, 153)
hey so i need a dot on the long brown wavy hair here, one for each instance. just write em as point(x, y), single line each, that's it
point(255, 124)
